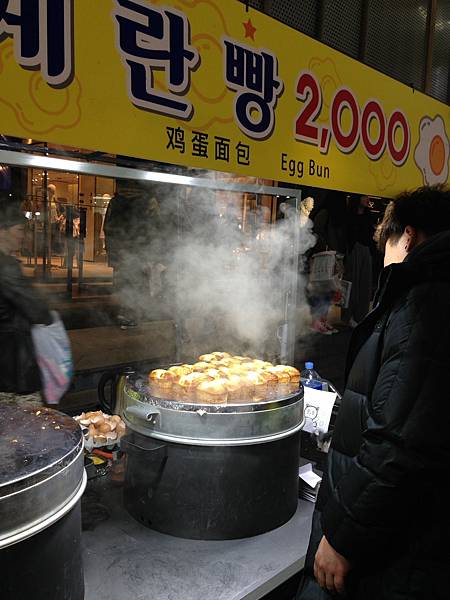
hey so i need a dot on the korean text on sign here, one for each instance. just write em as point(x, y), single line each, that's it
point(253, 76)
point(42, 34)
point(152, 39)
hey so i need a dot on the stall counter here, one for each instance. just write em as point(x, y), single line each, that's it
point(124, 560)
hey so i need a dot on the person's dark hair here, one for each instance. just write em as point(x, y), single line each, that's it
point(10, 211)
point(427, 209)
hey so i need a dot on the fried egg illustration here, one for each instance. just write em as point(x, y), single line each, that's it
point(384, 172)
point(31, 104)
point(432, 151)
point(327, 74)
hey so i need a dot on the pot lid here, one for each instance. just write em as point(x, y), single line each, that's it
point(34, 444)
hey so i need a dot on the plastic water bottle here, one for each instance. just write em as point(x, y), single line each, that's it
point(310, 378)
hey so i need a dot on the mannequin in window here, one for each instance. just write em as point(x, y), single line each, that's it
point(306, 206)
point(51, 203)
point(59, 231)
point(99, 223)
point(53, 219)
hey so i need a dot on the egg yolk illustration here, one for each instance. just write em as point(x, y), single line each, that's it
point(432, 151)
point(437, 155)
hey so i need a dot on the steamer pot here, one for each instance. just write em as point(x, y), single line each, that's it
point(210, 472)
point(206, 424)
point(42, 479)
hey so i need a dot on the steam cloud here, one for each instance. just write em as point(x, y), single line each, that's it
point(226, 275)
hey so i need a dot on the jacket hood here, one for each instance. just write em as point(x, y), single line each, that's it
point(431, 257)
point(429, 261)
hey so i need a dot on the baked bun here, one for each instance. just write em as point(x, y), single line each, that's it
point(224, 362)
point(283, 386)
point(266, 365)
point(161, 382)
point(238, 369)
point(225, 371)
point(212, 392)
point(207, 358)
point(242, 359)
point(249, 366)
point(219, 377)
point(214, 373)
point(185, 388)
point(259, 364)
point(291, 385)
point(260, 387)
point(161, 376)
point(201, 366)
point(271, 381)
point(281, 373)
point(179, 371)
point(294, 373)
point(235, 389)
point(247, 390)
point(220, 355)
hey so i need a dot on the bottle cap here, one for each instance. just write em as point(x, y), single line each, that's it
point(309, 365)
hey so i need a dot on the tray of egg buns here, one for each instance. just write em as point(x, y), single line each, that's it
point(221, 378)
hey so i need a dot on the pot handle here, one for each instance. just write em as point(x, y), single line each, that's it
point(142, 412)
point(128, 442)
point(107, 405)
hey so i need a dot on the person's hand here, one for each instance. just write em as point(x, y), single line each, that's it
point(330, 568)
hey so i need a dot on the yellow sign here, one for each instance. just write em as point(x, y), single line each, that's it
point(205, 84)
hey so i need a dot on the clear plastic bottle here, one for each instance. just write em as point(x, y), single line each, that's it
point(310, 378)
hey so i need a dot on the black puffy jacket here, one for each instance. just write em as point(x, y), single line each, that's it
point(384, 503)
point(20, 308)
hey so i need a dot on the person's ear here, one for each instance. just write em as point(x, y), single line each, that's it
point(410, 234)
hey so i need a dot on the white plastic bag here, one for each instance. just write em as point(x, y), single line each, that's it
point(323, 266)
point(54, 358)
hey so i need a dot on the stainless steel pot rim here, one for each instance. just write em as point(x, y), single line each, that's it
point(177, 406)
point(26, 533)
point(47, 471)
point(211, 441)
point(34, 442)
point(24, 485)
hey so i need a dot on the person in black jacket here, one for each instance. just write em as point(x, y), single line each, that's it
point(329, 226)
point(381, 527)
point(133, 232)
point(358, 263)
point(20, 308)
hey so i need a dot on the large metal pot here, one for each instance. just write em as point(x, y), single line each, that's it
point(42, 479)
point(205, 424)
point(209, 471)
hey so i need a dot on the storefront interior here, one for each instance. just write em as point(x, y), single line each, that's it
point(234, 219)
